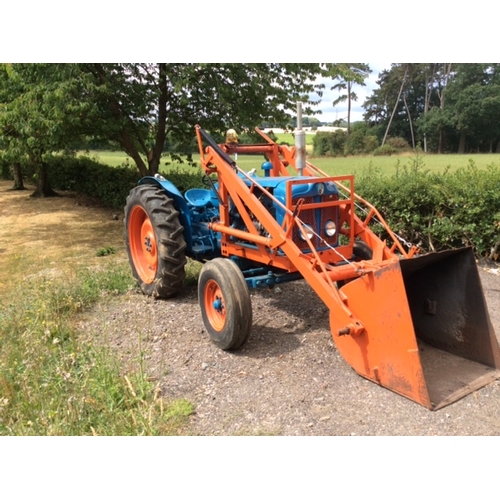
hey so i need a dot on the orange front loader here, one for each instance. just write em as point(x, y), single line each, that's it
point(417, 325)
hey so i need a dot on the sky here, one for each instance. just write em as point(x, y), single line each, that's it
point(329, 113)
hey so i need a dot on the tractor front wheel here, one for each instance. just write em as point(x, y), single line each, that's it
point(362, 251)
point(225, 303)
point(155, 243)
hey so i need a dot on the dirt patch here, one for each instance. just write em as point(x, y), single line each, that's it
point(288, 379)
point(53, 235)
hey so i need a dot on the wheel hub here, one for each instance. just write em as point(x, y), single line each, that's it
point(143, 244)
point(214, 305)
point(218, 304)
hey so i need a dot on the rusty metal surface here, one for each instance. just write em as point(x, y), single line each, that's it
point(448, 306)
point(428, 334)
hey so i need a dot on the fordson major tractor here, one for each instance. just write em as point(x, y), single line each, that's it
point(415, 324)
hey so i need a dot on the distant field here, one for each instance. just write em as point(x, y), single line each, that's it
point(389, 164)
point(112, 158)
point(291, 140)
point(340, 165)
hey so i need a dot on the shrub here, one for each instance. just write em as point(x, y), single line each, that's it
point(84, 175)
point(329, 143)
point(355, 143)
point(385, 150)
point(370, 144)
point(109, 185)
point(184, 180)
point(398, 143)
point(438, 211)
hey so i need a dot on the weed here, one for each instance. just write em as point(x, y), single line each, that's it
point(52, 382)
point(193, 269)
point(105, 251)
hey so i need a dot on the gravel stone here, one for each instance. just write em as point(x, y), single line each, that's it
point(288, 379)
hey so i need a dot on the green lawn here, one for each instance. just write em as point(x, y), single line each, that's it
point(288, 138)
point(389, 164)
point(112, 158)
point(340, 165)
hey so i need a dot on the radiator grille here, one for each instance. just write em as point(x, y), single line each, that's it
point(316, 218)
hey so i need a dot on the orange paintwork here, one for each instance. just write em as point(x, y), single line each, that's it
point(143, 246)
point(387, 352)
point(370, 318)
point(216, 316)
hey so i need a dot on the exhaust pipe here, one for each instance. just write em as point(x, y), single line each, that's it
point(300, 142)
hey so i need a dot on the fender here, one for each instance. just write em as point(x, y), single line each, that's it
point(179, 203)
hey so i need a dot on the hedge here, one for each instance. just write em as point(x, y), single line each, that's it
point(438, 211)
point(109, 185)
point(434, 211)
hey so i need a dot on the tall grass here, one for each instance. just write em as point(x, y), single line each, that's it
point(55, 382)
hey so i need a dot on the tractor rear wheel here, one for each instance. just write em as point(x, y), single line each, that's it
point(155, 241)
point(225, 303)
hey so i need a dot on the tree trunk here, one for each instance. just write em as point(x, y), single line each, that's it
point(348, 108)
point(411, 123)
point(429, 82)
point(441, 140)
point(18, 177)
point(43, 188)
point(395, 106)
point(461, 146)
point(125, 138)
point(441, 95)
point(155, 154)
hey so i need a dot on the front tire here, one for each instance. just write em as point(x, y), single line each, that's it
point(225, 303)
point(362, 251)
point(155, 243)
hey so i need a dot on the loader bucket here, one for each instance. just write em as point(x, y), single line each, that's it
point(427, 335)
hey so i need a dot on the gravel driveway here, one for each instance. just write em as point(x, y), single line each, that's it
point(288, 379)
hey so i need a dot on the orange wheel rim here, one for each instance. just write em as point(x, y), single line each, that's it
point(142, 242)
point(215, 307)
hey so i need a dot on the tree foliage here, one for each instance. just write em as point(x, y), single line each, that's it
point(144, 106)
point(43, 109)
point(148, 109)
point(444, 106)
point(348, 75)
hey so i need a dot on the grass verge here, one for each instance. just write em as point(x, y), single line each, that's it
point(52, 382)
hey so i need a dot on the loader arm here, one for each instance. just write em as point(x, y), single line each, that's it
point(278, 249)
point(389, 317)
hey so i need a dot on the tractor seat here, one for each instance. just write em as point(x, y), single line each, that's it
point(198, 197)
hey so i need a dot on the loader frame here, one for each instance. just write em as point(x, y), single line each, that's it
point(375, 314)
point(322, 270)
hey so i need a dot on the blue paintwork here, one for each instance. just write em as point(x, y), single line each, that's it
point(198, 207)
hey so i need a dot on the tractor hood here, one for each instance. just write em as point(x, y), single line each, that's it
point(278, 186)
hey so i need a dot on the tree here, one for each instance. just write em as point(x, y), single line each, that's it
point(351, 74)
point(406, 95)
point(43, 110)
point(473, 102)
point(4, 139)
point(145, 108)
point(142, 105)
point(396, 102)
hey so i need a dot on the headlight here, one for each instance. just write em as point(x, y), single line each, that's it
point(321, 188)
point(308, 230)
point(330, 228)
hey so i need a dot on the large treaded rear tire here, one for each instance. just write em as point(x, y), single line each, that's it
point(225, 303)
point(155, 241)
